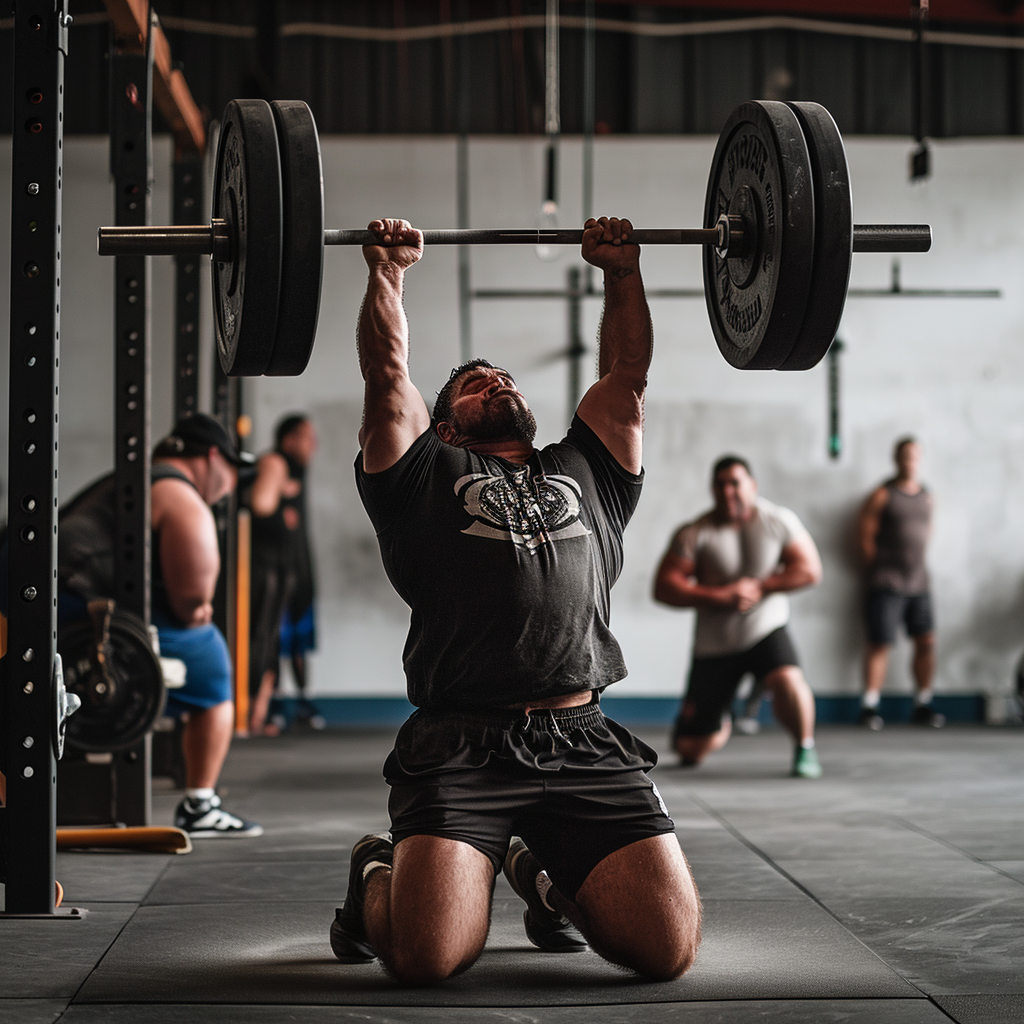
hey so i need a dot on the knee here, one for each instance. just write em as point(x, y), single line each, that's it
point(924, 643)
point(420, 968)
point(666, 960)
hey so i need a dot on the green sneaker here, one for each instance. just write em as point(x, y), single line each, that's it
point(806, 764)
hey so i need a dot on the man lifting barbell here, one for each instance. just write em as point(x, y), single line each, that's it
point(506, 554)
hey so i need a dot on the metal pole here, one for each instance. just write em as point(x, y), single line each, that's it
point(131, 165)
point(187, 202)
point(28, 755)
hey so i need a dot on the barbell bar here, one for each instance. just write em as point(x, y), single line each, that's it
point(215, 240)
point(776, 254)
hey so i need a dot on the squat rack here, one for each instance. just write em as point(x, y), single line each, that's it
point(30, 682)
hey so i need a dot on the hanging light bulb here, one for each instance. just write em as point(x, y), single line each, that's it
point(548, 218)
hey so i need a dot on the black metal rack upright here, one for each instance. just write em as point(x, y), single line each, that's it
point(28, 710)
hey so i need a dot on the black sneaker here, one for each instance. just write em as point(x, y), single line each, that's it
point(545, 928)
point(348, 932)
point(871, 719)
point(206, 819)
point(923, 715)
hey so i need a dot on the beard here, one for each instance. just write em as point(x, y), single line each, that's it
point(500, 421)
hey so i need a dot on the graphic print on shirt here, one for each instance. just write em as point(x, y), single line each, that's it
point(528, 510)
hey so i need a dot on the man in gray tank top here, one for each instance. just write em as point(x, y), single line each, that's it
point(893, 530)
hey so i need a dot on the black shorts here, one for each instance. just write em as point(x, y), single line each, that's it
point(713, 682)
point(885, 610)
point(572, 783)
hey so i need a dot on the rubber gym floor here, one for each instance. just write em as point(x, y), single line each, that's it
point(891, 891)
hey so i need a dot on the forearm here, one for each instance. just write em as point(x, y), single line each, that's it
point(793, 577)
point(690, 594)
point(626, 338)
point(383, 334)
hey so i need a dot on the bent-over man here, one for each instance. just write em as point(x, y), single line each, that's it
point(194, 467)
point(505, 554)
point(734, 565)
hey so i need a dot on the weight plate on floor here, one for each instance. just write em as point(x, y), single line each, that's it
point(833, 237)
point(761, 172)
point(302, 265)
point(247, 195)
point(119, 682)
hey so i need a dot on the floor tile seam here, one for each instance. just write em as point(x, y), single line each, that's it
point(922, 831)
point(810, 895)
point(103, 954)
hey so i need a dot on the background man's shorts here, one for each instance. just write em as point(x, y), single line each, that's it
point(713, 682)
point(207, 666)
point(572, 783)
point(885, 610)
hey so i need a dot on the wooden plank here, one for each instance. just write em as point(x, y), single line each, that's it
point(170, 90)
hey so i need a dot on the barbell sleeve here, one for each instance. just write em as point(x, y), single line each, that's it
point(892, 237)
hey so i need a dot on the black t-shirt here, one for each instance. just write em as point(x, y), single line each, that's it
point(507, 568)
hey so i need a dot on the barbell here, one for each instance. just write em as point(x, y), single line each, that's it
point(778, 237)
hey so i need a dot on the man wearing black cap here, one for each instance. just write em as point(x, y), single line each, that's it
point(194, 467)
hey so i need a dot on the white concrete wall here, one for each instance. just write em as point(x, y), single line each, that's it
point(949, 370)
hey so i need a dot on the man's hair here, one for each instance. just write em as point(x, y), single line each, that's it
point(287, 425)
point(901, 444)
point(727, 462)
point(443, 402)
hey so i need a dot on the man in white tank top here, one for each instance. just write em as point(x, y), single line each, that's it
point(735, 565)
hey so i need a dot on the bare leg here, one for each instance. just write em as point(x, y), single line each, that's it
point(639, 908)
point(427, 918)
point(876, 664)
point(261, 702)
point(696, 748)
point(792, 701)
point(923, 665)
point(204, 742)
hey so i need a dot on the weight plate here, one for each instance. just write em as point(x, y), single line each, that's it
point(302, 266)
point(121, 698)
point(833, 237)
point(761, 171)
point(247, 195)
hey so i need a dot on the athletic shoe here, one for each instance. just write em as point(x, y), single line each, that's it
point(747, 726)
point(923, 715)
point(348, 932)
point(205, 819)
point(806, 764)
point(545, 928)
point(871, 719)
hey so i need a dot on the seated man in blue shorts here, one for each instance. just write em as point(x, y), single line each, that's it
point(506, 554)
point(193, 468)
point(735, 564)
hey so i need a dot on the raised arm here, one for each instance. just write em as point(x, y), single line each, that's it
point(394, 413)
point(614, 406)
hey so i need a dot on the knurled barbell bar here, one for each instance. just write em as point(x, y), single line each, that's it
point(776, 258)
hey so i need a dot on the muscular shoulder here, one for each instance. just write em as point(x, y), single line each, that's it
point(779, 521)
point(691, 536)
point(177, 502)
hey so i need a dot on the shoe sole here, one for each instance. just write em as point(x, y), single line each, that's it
point(351, 951)
point(212, 833)
point(578, 945)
